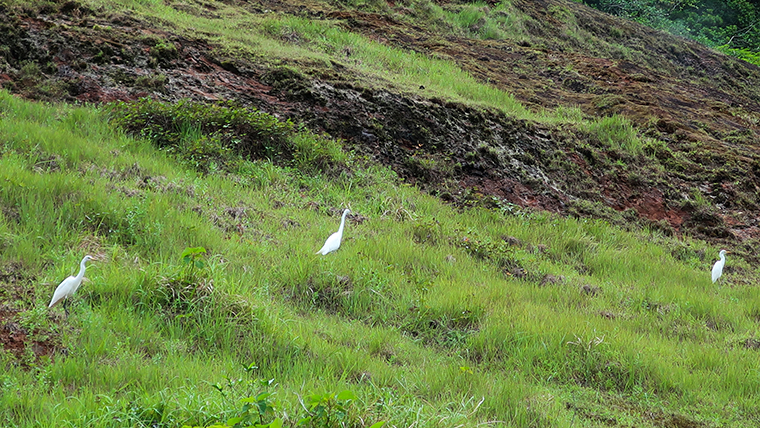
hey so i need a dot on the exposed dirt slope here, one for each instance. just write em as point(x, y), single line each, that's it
point(703, 178)
point(26, 341)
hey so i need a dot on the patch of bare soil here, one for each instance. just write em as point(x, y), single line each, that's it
point(701, 106)
point(20, 342)
point(25, 346)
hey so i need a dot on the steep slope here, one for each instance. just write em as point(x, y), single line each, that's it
point(428, 315)
point(209, 306)
point(700, 175)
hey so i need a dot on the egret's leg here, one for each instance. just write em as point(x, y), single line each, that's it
point(66, 306)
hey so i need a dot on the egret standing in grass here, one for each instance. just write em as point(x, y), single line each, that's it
point(717, 269)
point(333, 242)
point(69, 285)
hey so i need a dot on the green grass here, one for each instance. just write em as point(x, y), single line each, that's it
point(276, 39)
point(616, 132)
point(431, 316)
point(273, 40)
point(389, 65)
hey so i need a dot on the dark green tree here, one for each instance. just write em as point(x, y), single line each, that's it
point(731, 25)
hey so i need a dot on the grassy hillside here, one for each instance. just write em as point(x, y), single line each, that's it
point(547, 104)
point(427, 315)
point(207, 304)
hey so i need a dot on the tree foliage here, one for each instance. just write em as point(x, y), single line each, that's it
point(730, 25)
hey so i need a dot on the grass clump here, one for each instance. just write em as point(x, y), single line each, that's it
point(480, 20)
point(212, 137)
point(616, 132)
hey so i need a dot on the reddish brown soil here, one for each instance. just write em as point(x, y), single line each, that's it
point(702, 107)
point(26, 347)
point(16, 340)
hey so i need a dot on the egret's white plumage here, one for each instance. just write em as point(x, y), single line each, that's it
point(333, 242)
point(717, 269)
point(69, 285)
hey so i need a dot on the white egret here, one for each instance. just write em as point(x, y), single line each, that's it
point(717, 269)
point(69, 285)
point(333, 242)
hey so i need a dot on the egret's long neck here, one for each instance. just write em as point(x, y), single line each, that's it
point(80, 275)
point(342, 222)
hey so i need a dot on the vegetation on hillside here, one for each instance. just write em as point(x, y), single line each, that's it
point(425, 316)
point(560, 107)
point(730, 26)
point(207, 305)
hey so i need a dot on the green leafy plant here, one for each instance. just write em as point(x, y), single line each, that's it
point(257, 407)
point(191, 259)
point(328, 409)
